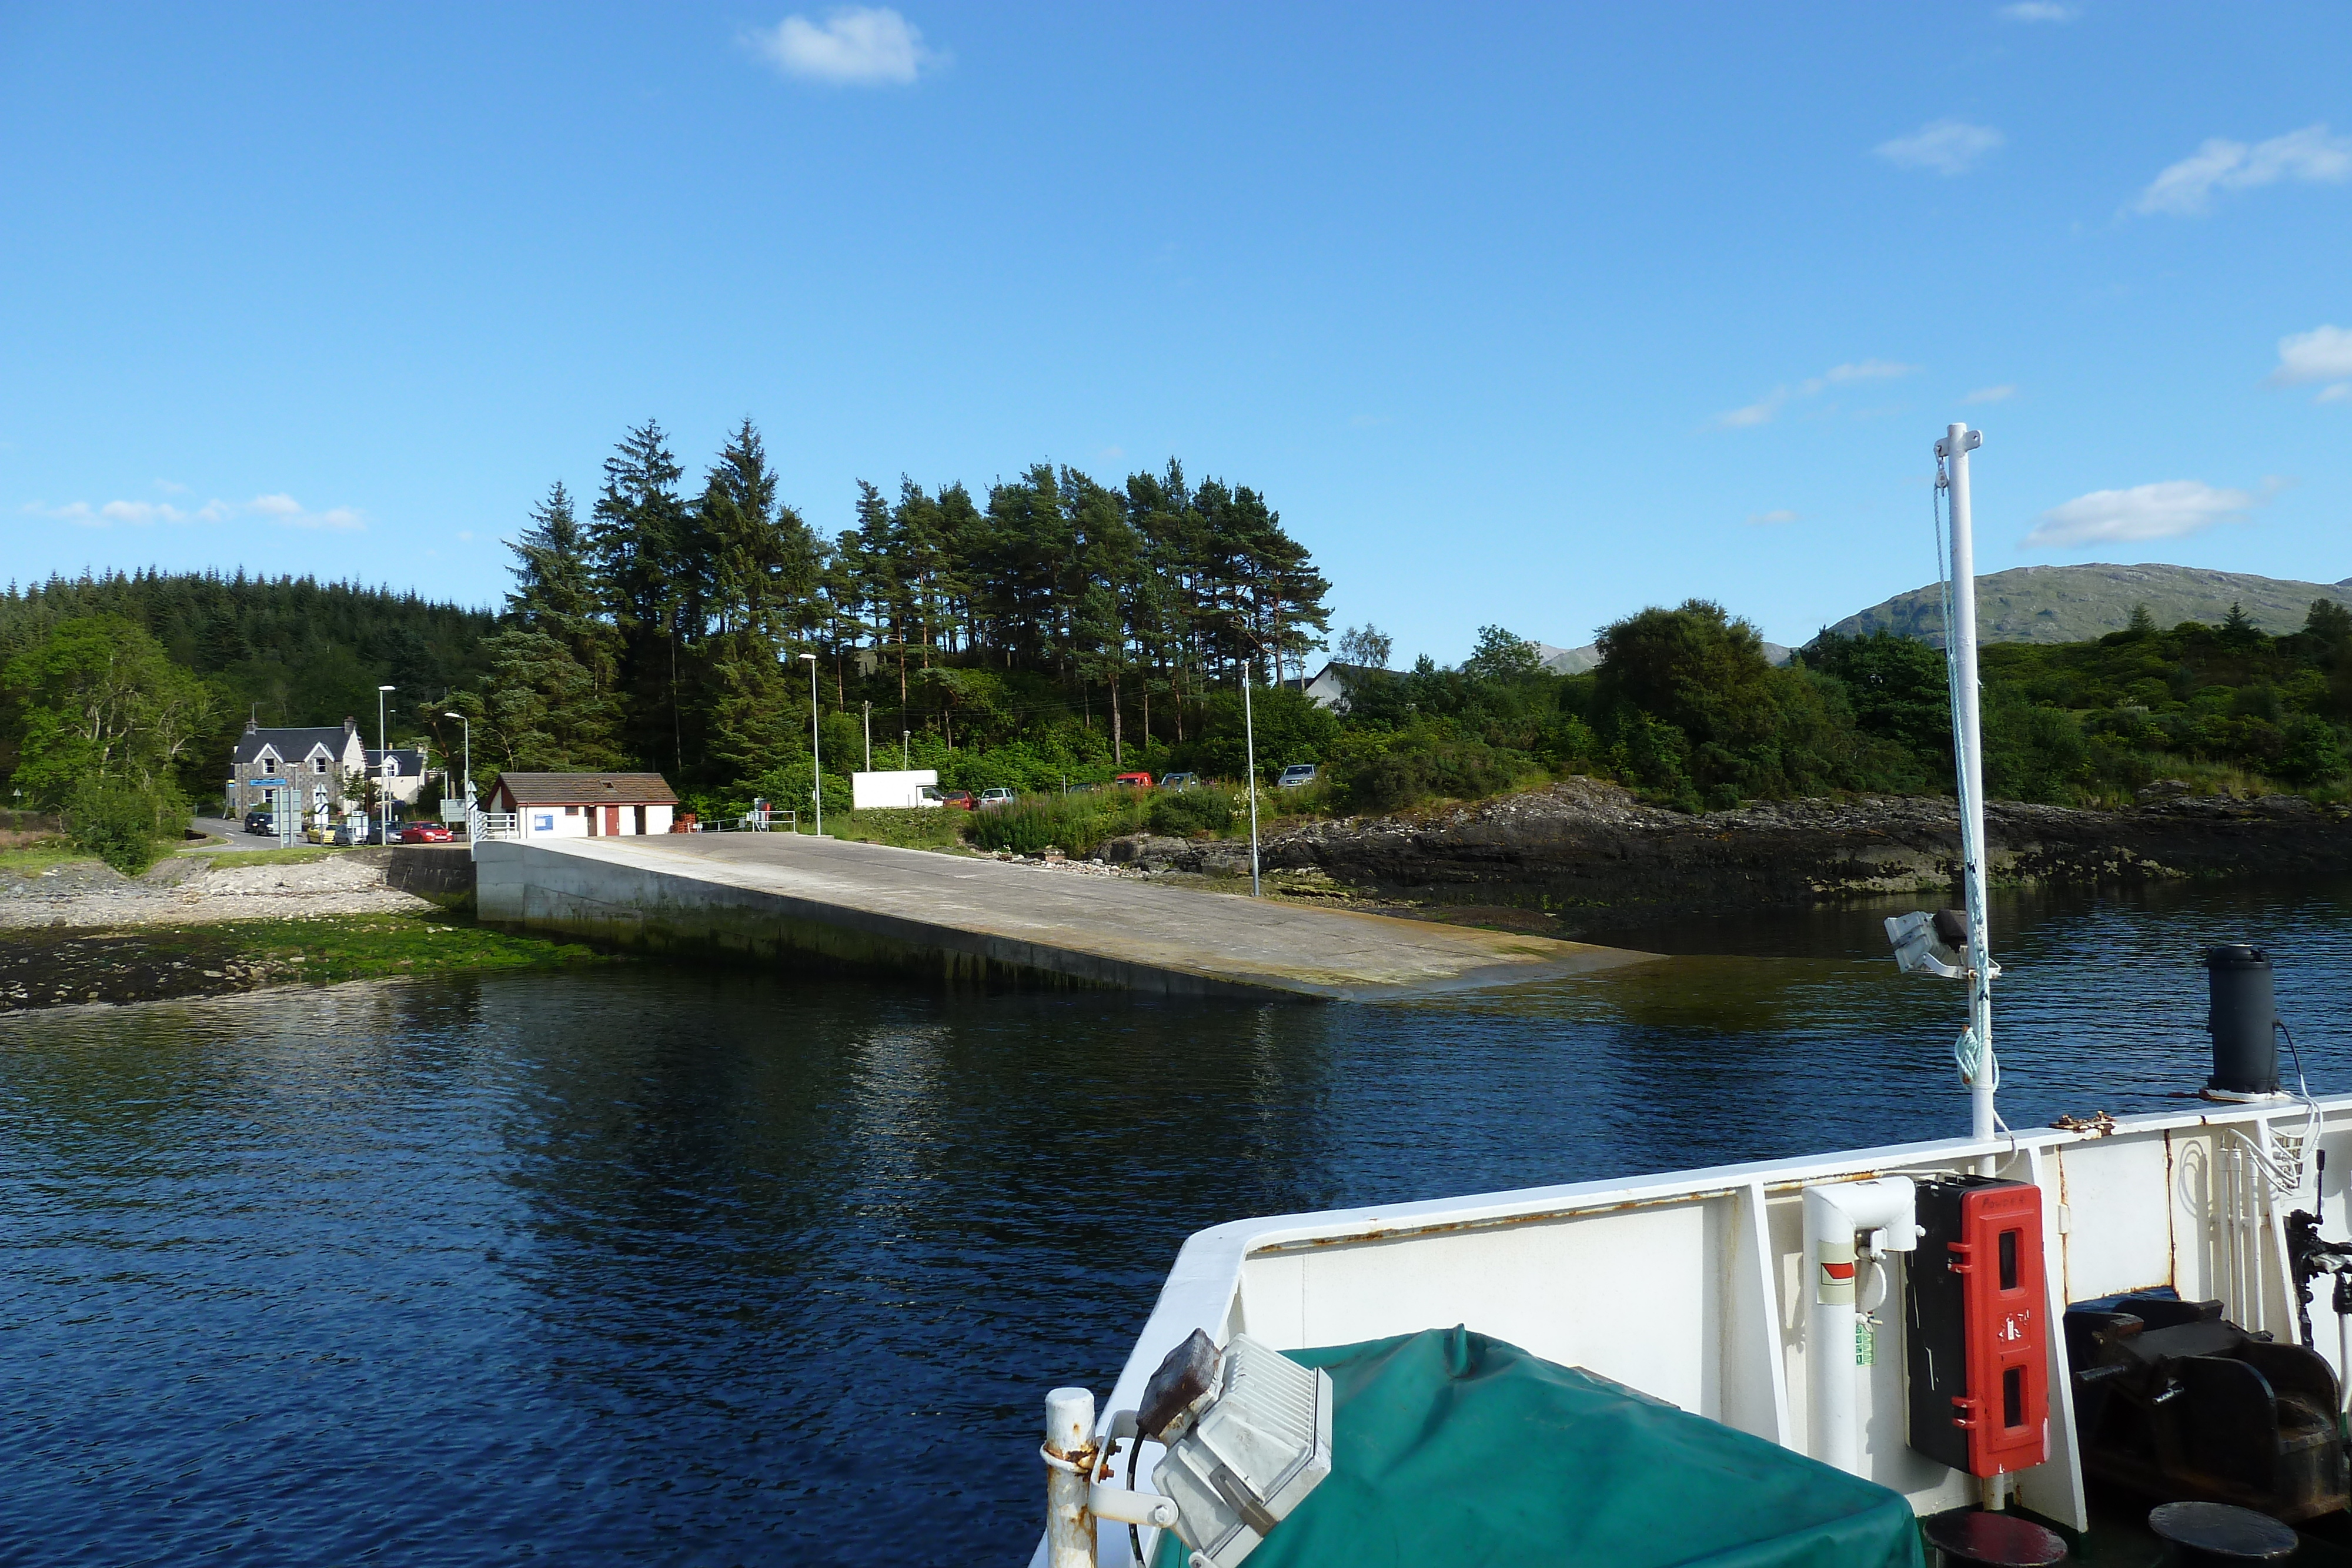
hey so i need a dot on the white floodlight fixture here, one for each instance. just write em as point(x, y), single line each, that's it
point(1929, 943)
point(1248, 1435)
point(1932, 942)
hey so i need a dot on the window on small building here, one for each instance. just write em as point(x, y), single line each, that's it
point(318, 764)
point(571, 810)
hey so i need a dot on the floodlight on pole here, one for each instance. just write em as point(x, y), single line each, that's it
point(469, 723)
point(816, 760)
point(383, 754)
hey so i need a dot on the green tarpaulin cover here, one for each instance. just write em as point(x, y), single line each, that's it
point(1450, 1449)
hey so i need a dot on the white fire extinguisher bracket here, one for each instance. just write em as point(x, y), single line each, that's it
point(1836, 1215)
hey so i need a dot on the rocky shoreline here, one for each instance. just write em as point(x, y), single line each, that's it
point(1583, 850)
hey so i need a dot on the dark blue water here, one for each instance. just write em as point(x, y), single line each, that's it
point(682, 1267)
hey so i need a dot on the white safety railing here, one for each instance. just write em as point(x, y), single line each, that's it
point(482, 825)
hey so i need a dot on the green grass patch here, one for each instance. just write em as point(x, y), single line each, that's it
point(369, 947)
point(907, 828)
point(41, 854)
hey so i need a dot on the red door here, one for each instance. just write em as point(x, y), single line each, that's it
point(612, 821)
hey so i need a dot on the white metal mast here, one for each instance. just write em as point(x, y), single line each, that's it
point(1977, 1062)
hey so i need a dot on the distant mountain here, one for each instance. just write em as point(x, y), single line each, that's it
point(1576, 660)
point(2073, 603)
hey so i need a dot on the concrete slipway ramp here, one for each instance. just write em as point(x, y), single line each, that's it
point(820, 901)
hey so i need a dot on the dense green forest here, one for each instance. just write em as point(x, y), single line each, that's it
point(1053, 629)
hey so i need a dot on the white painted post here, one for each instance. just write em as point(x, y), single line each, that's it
point(1069, 1438)
point(1249, 752)
point(1969, 764)
point(869, 737)
point(816, 762)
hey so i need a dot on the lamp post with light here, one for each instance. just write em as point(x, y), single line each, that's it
point(382, 795)
point(469, 723)
point(816, 761)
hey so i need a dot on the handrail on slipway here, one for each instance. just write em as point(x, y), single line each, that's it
point(482, 825)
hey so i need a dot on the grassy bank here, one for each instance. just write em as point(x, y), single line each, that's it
point(48, 966)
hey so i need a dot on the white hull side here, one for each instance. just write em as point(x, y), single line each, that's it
point(1687, 1285)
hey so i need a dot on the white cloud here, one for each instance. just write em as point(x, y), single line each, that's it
point(1946, 146)
point(1868, 370)
point(2310, 155)
point(466, 535)
point(281, 509)
point(1758, 413)
point(2039, 11)
point(860, 45)
point(2322, 354)
point(1779, 515)
point(2340, 393)
point(2000, 394)
point(2164, 511)
point(171, 488)
point(1766, 408)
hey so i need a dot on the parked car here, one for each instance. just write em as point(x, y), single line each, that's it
point(1179, 780)
point(995, 795)
point(1297, 776)
point(347, 833)
point(315, 834)
point(261, 822)
point(423, 833)
point(1134, 780)
point(958, 798)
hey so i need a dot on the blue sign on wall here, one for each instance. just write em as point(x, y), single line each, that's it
point(543, 822)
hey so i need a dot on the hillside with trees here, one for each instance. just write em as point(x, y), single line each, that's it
point(1053, 629)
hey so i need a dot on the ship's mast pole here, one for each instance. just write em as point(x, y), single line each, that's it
point(1967, 738)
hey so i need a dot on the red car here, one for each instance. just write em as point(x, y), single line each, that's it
point(423, 833)
point(1134, 780)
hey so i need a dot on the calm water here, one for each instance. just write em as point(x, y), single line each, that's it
point(684, 1266)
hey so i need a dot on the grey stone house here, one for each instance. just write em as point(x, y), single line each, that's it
point(325, 764)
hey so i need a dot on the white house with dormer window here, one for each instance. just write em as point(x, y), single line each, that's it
point(403, 771)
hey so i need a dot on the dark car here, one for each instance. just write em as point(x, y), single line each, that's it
point(423, 833)
point(1179, 780)
point(261, 822)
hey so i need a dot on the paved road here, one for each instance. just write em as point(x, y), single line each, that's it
point(238, 839)
point(1114, 930)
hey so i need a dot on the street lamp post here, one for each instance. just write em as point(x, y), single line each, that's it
point(469, 723)
point(383, 754)
point(816, 761)
point(1249, 754)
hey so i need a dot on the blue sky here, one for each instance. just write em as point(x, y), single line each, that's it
point(1526, 317)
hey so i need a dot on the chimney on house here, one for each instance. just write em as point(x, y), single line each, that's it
point(351, 727)
point(250, 726)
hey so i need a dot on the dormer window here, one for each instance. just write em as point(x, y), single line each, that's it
point(318, 764)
